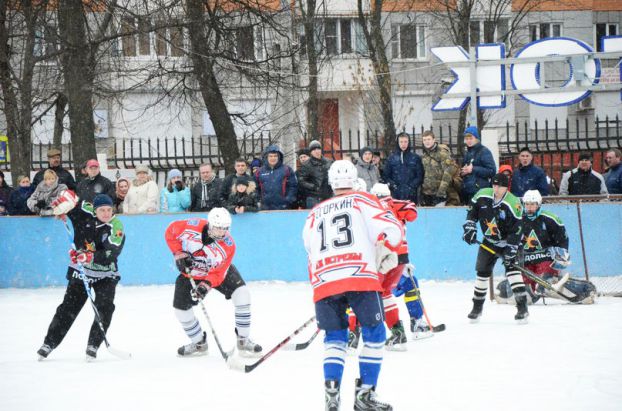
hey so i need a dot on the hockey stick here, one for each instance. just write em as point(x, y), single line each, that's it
point(303, 345)
point(435, 329)
point(117, 353)
point(226, 355)
point(250, 367)
point(535, 278)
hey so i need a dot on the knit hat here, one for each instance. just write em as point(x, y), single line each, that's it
point(102, 200)
point(500, 180)
point(506, 167)
point(365, 150)
point(585, 156)
point(242, 180)
point(142, 168)
point(173, 173)
point(255, 163)
point(302, 151)
point(472, 131)
point(314, 144)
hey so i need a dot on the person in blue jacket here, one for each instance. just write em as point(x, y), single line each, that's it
point(276, 182)
point(403, 171)
point(528, 176)
point(175, 197)
point(613, 177)
point(478, 165)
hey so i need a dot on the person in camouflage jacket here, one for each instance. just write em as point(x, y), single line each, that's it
point(438, 182)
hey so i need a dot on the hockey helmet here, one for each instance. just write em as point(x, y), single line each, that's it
point(219, 223)
point(342, 174)
point(380, 190)
point(532, 197)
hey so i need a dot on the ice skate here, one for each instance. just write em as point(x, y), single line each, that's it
point(522, 313)
point(366, 399)
point(247, 348)
point(397, 340)
point(476, 312)
point(44, 351)
point(91, 353)
point(199, 348)
point(420, 329)
point(331, 395)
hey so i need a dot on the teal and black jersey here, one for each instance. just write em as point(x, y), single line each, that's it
point(500, 221)
point(540, 232)
point(105, 240)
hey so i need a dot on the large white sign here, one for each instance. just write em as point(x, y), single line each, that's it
point(524, 76)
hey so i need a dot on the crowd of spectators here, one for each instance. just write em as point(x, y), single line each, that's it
point(433, 179)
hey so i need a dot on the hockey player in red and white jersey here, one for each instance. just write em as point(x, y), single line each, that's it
point(351, 241)
point(203, 250)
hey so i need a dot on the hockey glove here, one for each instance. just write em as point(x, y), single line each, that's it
point(65, 202)
point(199, 293)
point(403, 286)
point(183, 261)
point(510, 256)
point(561, 258)
point(80, 257)
point(386, 260)
point(470, 232)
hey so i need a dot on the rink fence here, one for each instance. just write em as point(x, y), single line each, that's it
point(34, 250)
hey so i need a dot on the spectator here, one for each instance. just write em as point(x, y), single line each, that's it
point(366, 169)
point(255, 165)
point(276, 182)
point(507, 170)
point(528, 176)
point(40, 202)
point(313, 176)
point(241, 170)
point(439, 187)
point(81, 173)
point(303, 155)
point(301, 195)
point(123, 186)
point(19, 197)
point(403, 171)
point(378, 162)
point(175, 197)
point(207, 193)
point(242, 198)
point(5, 193)
point(613, 177)
point(54, 164)
point(582, 180)
point(94, 184)
point(143, 195)
point(553, 187)
point(478, 165)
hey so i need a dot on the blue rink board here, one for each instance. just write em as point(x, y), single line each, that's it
point(34, 250)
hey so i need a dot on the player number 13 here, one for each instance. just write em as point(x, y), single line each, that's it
point(343, 223)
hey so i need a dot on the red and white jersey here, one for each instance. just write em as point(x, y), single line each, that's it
point(214, 258)
point(405, 211)
point(340, 237)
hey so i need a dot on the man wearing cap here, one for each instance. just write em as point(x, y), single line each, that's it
point(313, 176)
point(54, 161)
point(478, 165)
point(498, 213)
point(582, 180)
point(528, 176)
point(94, 183)
point(99, 238)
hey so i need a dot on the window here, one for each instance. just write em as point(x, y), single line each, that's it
point(602, 30)
point(169, 41)
point(544, 30)
point(46, 40)
point(408, 41)
point(488, 31)
point(140, 37)
point(341, 36)
point(249, 43)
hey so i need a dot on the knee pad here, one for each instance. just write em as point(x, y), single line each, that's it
point(375, 334)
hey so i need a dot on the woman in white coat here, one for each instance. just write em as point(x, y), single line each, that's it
point(143, 195)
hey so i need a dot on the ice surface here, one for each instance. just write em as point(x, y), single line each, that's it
point(566, 358)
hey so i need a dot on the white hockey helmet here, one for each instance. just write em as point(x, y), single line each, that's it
point(342, 174)
point(532, 196)
point(219, 223)
point(380, 190)
point(360, 185)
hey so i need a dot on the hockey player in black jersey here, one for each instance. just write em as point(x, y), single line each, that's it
point(99, 239)
point(499, 214)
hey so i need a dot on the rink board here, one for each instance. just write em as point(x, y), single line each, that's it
point(34, 250)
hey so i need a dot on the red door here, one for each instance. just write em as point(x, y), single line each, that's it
point(328, 125)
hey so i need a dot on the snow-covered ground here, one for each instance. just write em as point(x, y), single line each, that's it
point(566, 358)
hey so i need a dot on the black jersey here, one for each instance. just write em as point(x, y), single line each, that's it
point(539, 234)
point(105, 240)
point(500, 221)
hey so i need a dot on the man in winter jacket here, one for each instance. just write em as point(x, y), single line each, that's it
point(366, 168)
point(54, 161)
point(403, 171)
point(313, 176)
point(527, 176)
point(276, 181)
point(613, 177)
point(582, 180)
point(438, 185)
point(94, 184)
point(207, 193)
point(478, 165)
